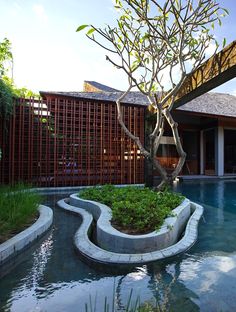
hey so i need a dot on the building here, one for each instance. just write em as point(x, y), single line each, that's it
point(74, 138)
point(207, 126)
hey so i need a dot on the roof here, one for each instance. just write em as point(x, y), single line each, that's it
point(219, 104)
point(134, 97)
point(212, 103)
point(100, 86)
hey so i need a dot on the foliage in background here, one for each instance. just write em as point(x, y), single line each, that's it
point(6, 98)
point(8, 90)
point(18, 207)
point(6, 57)
point(19, 92)
point(135, 209)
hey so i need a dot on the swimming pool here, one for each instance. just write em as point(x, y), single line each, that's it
point(51, 277)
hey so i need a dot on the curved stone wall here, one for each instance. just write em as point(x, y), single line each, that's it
point(113, 240)
point(89, 251)
point(13, 246)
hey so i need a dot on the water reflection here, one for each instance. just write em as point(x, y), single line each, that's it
point(220, 201)
point(52, 278)
point(213, 279)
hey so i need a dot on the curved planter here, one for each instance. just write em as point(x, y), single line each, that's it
point(95, 254)
point(13, 246)
point(113, 240)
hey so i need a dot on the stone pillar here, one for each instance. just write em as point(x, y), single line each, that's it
point(220, 151)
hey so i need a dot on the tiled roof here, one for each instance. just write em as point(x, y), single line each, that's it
point(220, 104)
point(134, 97)
point(101, 86)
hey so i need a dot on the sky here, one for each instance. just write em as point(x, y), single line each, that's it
point(50, 56)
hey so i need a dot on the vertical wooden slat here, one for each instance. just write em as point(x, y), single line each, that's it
point(84, 133)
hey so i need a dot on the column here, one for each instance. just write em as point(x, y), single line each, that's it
point(220, 151)
point(201, 152)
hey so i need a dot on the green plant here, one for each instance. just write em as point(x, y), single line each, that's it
point(6, 98)
point(6, 57)
point(135, 209)
point(8, 90)
point(131, 305)
point(18, 207)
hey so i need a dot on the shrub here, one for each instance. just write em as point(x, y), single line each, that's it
point(18, 207)
point(6, 99)
point(135, 209)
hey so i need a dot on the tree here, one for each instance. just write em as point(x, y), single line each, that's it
point(6, 92)
point(6, 57)
point(158, 44)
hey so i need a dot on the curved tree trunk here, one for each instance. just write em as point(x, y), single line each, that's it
point(165, 177)
point(178, 144)
point(150, 150)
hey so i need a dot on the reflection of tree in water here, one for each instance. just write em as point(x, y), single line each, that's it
point(169, 294)
point(166, 291)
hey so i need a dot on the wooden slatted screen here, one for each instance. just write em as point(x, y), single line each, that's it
point(70, 142)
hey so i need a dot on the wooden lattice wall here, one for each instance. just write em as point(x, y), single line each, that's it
point(69, 142)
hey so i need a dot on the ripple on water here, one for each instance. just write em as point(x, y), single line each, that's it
point(52, 278)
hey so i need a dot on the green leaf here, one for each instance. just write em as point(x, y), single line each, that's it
point(81, 27)
point(224, 42)
point(226, 11)
point(90, 31)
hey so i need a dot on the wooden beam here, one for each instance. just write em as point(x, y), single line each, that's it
point(217, 70)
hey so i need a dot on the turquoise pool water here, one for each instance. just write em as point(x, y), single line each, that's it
point(50, 276)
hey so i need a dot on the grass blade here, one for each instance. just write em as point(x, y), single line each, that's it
point(129, 301)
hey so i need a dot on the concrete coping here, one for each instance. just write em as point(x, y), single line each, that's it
point(70, 189)
point(111, 239)
point(19, 242)
point(92, 253)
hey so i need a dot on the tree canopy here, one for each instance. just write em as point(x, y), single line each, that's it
point(8, 90)
point(158, 44)
point(6, 57)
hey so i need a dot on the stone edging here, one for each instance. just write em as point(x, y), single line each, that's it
point(89, 251)
point(67, 189)
point(166, 236)
point(13, 246)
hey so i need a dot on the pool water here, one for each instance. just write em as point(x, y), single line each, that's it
point(50, 276)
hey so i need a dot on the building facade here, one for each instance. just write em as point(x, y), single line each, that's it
point(207, 128)
point(74, 138)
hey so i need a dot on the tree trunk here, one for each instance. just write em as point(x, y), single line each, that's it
point(152, 143)
point(167, 179)
point(148, 173)
point(178, 144)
